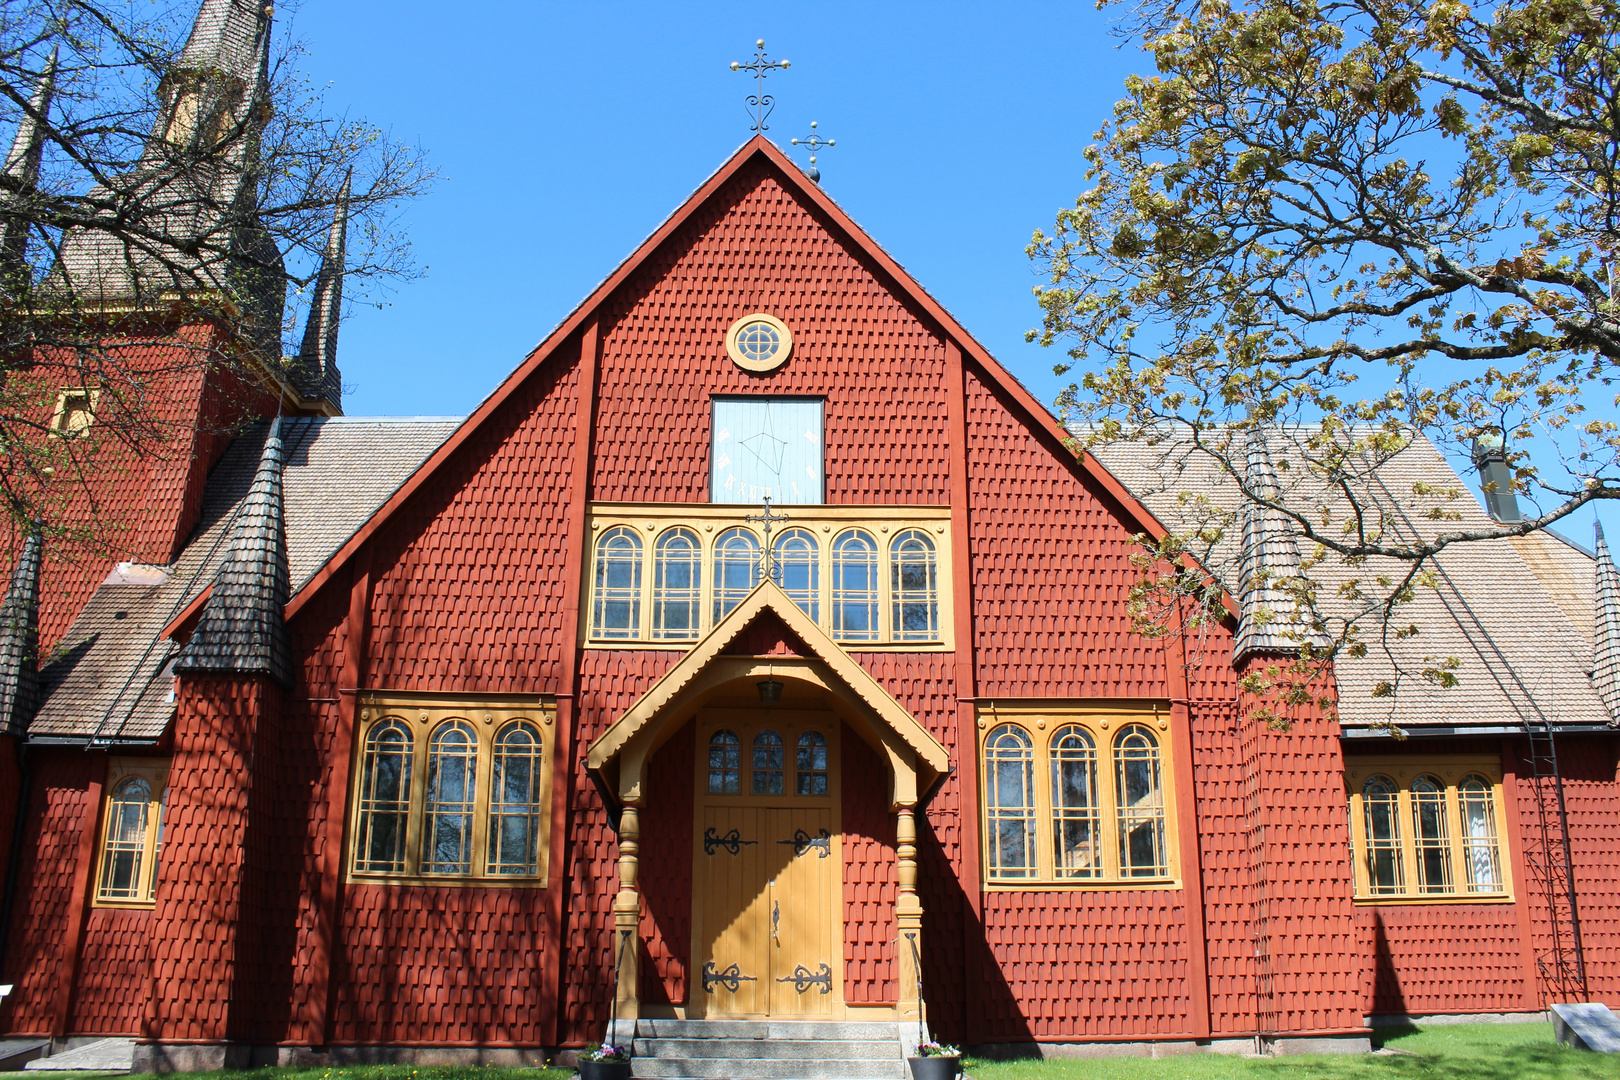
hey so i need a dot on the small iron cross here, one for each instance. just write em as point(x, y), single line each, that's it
point(766, 519)
point(814, 144)
point(759, 102)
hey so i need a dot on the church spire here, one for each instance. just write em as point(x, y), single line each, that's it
point(241, 630)
point(1606, 636)
point(21, 173)
point(1268, 617)
point(316, 370)
point(221, 74)
point(19, 639)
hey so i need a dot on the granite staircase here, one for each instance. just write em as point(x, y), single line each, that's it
point(768, 1050)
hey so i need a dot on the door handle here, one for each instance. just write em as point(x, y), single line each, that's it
point(776, 919)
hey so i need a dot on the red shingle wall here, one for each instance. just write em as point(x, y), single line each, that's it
point(213, 859)
point(1444, 958)
point(110, 997)
point(45, 902)
point(440, 965)
point(137, 506)
point(467, 589)
point(871, 877)
point(609, 683)
point(666, 871)
point(754, 247)
point(1051, 569)
point(1223, 837)
point(1311, 955)
point(1592, 798)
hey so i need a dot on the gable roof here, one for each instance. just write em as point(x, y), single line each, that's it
point(106, 680)
point(768, 598)
point(757, 148)
point(1522, 655)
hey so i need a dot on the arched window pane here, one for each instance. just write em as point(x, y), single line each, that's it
point(1076, 824)
point(915, 587)
point(1139, 787)
point(736, 569)
point(725, 763)
point(854, 587)
point(677, 585)
point(385, 798)
point(1481, 855)
point(514, 801)
point(797, 560)
point(617, 611)
point(1431, 835)
point(447, 823)
point(812, 763)
point(1380, 808)
point(125, 848)
point(1009, 777)
point(769, 763)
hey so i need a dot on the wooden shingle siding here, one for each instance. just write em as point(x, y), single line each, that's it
point(666, 872)
point(870, 879)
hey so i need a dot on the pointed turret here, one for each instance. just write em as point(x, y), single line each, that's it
point(21, 174)
point(1606, 638)
point(1269, 620)
point(19, 639)
point(316, 371)
point(229, 37)
point(241, 630)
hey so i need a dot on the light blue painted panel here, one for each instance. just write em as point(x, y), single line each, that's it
point(766, 446)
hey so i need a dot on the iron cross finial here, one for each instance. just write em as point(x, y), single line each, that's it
point(760, 103)
point(767, 519)
point(814, 143)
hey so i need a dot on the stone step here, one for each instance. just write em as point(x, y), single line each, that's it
point(767, 1029)
point(103, 1055)
point(761, 1069)
point(778, 1049)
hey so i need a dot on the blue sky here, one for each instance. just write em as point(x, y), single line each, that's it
point(565, 133)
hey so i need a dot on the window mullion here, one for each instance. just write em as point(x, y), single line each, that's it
point(418, 803)
point(1107, 806)
point(1359, 849)
point(478, 858)
point(1041, 781)
point(1408, 841)
point(147, 886)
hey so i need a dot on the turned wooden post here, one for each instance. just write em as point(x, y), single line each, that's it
point(627, 916)
point(908, 916)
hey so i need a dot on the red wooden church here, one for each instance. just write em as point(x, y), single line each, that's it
point(758, 650)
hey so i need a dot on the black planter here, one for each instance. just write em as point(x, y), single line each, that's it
point(935, 1068)
point(613, 1070)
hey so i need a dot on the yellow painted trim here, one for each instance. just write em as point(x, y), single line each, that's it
point(930, 756)
point(155, 772)
point(1402, 770)
point(1102, 721)
point(423, 714)
point(648, 521)
point(748, 363)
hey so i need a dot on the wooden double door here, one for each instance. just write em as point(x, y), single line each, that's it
point(768, 867)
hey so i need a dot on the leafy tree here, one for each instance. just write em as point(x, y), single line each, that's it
point(171, 168)
point(1347, 223)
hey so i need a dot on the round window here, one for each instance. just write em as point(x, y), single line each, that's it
point(759, 342)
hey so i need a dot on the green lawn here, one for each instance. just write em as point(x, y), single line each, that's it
point(1473, 1051)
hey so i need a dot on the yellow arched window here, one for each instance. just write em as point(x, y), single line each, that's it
point(616, 609)
point(1427, 829)
point(446, 791)
point(678, 586)
point(855, 587)
point(914, 586)
point(132, 832)
point(1075, 798)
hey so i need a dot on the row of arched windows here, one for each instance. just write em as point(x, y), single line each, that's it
point(1072, 807)
point(467, 810)
point(693, 590)
point(769, 768)
point(1427, 836)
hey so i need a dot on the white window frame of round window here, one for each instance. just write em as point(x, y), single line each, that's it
point(769, 363)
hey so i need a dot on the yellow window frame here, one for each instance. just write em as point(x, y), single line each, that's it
point(1450, 770)
point(650, 521)
point(156, 774)
point(1103, 724)
point(422, 715)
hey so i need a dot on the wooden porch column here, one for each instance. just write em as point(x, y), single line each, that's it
point(627, 917)
point(908, 913)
